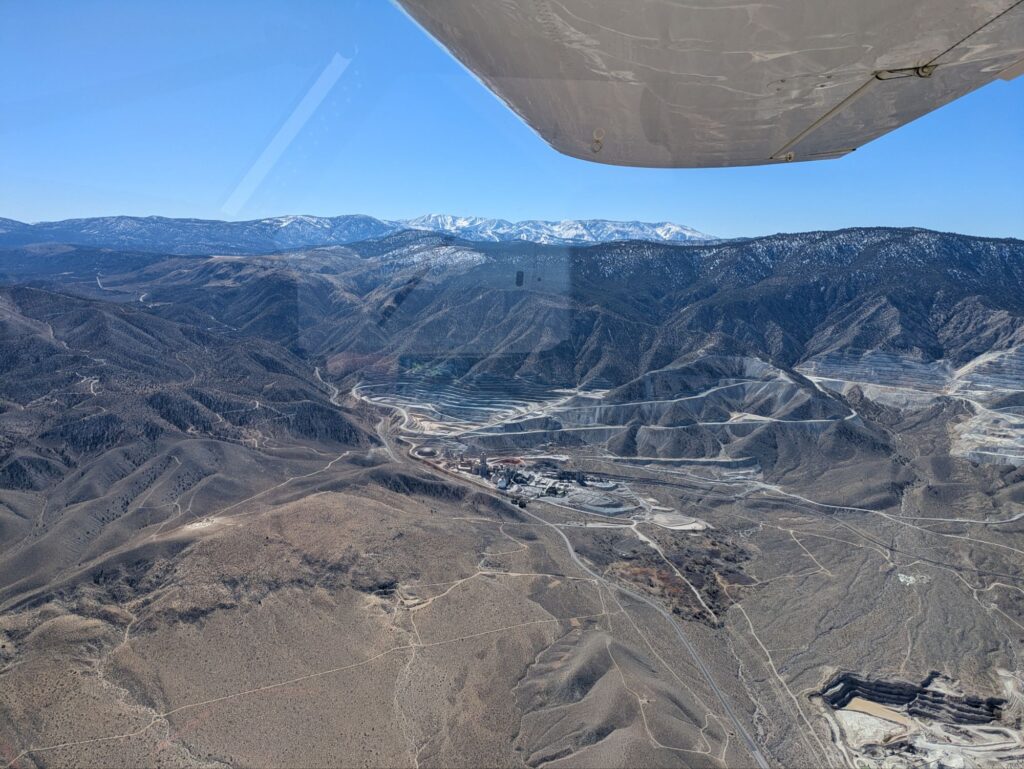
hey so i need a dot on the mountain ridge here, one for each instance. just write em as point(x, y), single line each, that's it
point(560, 314)
point(220, 473)
point(185, 236)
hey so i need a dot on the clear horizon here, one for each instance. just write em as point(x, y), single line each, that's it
point(244, 111)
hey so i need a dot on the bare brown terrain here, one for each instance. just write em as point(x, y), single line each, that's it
point(378, 506)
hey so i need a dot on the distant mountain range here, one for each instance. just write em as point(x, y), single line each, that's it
point(903, 307)
point(558, 233)
point(600, 315)
point(204, 236)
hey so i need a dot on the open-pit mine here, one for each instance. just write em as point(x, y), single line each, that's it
point(413, 500)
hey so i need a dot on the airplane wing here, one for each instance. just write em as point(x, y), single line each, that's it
point(704, 83)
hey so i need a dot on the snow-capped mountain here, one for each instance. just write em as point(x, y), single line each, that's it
point(10, 225)
point(281, 233)
point(200, 236)
point(565, 232)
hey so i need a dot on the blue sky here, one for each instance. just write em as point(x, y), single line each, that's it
point(163, 108)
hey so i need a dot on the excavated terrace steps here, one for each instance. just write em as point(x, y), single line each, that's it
point(1002, 373)
point(476, 403)
point(918, 699)
point(886, 369)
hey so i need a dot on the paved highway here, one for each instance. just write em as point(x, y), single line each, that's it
point(752, 746)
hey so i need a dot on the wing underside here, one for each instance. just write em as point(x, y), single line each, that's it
point(687, 83)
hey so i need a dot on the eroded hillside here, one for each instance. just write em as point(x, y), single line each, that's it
point(427, 501)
